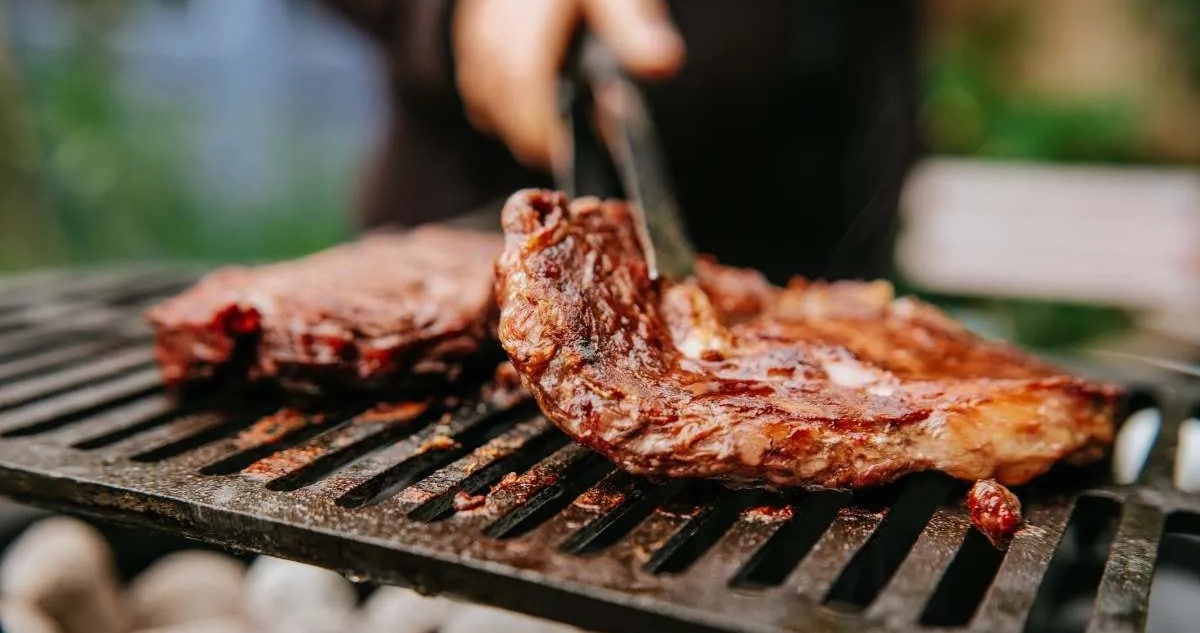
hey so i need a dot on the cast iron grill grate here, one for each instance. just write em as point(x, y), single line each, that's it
point(494, 504)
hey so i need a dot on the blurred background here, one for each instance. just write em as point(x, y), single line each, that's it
point(1059, 196)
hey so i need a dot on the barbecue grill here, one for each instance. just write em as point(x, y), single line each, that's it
point(395, 496)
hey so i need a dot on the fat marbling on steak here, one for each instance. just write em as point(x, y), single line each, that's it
point(727, 376)
point(384, 311)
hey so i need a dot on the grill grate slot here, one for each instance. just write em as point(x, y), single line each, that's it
point(772, 563)
point(634, 499)
point(965, 582)
point(748, 533)
point(44, 361)
point(200, 431)
point(384, 474)
point(300, 466)
point(124, 422)
point(873, 565)
point(1067, 592)
point(701, 532)
point(269, 435)
point(585, 470)
point(76, 406)
point(511, 453)
point(1172, 604)
point(1123, 597)
point(59, 383)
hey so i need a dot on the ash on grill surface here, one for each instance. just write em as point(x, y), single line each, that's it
point(371, 495)
point(388, 309)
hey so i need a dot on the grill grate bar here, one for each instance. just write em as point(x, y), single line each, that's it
point(41, 387)
point(168, 433)
point(77, 405)
point(1123, 600)
point(389, 470)
point(833, 551)
point(1158, 471)
point(655, 531)
point(1006, 604)
point(116, 423)
point(44, 360)
point(874, 564)
point(299, 466)
point(448, 479)
point(524, 448)
point(115, 291)
point(752, 529)
point(263, 437)
point(20, 317)
point(580, 524)
point(523, 501)
point(36, 338)
point(906, 594)
point(66, 284)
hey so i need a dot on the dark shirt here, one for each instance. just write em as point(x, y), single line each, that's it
point(786, 134)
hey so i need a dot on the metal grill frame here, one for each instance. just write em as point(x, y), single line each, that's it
point(87, 370)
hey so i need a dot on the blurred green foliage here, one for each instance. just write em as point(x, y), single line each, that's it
point(970, 108)
point(107, 178)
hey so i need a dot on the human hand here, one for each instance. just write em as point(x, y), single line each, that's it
point(508, 53)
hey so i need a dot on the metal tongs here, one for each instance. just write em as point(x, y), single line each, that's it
point(615, 154)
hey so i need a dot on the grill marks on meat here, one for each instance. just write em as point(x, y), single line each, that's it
point(727, 376)
point(380, 312)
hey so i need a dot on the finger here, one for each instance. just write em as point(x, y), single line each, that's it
point(507, 55)
point(640, 33)
point(528, 119)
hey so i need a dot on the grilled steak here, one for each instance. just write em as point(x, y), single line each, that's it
point(381, 312)
point(727, 376)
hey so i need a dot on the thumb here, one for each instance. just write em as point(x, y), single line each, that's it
point(640, 33)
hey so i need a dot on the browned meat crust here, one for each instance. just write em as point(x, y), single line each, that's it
point(994, 510)
point(726, 376)
point(383, 311)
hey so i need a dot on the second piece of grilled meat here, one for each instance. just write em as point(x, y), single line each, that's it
point(385, 311)
point(727, 376)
